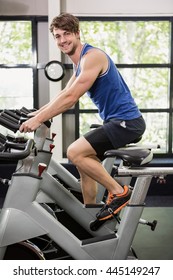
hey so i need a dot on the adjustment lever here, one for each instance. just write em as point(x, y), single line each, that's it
point(51, 146)
point(53, 135)
point(41, 168)
point(151, 224)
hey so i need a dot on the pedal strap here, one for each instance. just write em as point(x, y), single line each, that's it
point(115, 216)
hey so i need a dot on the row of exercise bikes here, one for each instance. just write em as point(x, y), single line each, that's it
point(43, 215)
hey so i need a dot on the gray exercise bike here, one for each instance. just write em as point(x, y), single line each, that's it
point(23, 218)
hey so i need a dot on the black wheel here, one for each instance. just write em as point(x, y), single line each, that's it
point(24, 250)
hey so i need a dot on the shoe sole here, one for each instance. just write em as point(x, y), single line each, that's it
point(115, 212)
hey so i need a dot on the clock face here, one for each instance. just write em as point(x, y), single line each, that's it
point(54, 70)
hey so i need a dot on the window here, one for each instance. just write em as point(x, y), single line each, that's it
point(16, 74)
point(142, 50)
point(21, 51)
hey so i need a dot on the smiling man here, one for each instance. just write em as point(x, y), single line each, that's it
point(96, 74)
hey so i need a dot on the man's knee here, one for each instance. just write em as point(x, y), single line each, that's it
point(70, 153)
point(73, 154)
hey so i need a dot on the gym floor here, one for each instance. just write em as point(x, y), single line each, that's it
point(157, 244)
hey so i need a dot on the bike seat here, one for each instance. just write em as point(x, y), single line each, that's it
point(131, 156)
point(136, 140)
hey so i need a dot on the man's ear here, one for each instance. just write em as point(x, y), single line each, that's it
point(78, 34)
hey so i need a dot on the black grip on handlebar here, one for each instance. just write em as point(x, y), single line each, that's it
point(13, 145)
point(47, 123)
point(25, 111)
point(17, 155)
point(2, 138)
point(12, 114)
point(10, 118)
point(13, 121)
point(8, 124)
point(20, 114)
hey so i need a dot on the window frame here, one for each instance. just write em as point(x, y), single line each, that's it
point(77, 111)
point(34, 66)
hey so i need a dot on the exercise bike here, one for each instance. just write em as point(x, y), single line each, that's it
point(65, 199)
point(26, 218)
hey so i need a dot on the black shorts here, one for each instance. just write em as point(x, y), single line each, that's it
point(99, 140)
point(115, 134)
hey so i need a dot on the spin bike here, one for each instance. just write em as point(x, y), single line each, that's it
point(11, 120)
point(23, 216)
point(84, 215)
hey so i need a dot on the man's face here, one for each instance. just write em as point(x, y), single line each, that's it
point(66, 41)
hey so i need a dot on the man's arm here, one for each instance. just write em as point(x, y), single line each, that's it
point(52, 100)
point(91, 67)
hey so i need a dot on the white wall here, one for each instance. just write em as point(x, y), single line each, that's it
point(24, 7)
point(54, 8)
point(89, 7)
point(118, 7)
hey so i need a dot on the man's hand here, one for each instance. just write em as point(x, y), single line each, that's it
point(30, 125)
point(32, 114)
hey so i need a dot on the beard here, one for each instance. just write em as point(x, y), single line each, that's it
point(71, 51)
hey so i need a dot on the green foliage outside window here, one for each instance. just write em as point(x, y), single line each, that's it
point(16, 79)
point(145, 44)
point(140, 49)
point(130, 41)
point(15, 42)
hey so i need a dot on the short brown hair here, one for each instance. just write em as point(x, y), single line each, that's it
point(65, 21)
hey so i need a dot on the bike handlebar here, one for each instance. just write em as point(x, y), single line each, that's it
point(18, 153)
point(13, 121)
point(9, 124)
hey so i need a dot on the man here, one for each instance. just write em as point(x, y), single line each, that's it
point(96, 74)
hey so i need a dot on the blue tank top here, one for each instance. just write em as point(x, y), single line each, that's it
point(110, 93)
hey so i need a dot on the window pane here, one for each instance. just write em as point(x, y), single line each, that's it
point(86, 120)
point(156, 131)
point(130, 41)
point(16, 87)
point(15, 42)
point(68, 124)
point(149, 86)
point(86, 103)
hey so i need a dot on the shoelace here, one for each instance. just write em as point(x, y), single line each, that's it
point(110, 197)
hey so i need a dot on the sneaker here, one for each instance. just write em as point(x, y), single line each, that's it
point(114, 204)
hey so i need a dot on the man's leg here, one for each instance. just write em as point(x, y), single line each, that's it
point(84, 157)
point(89, 188)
